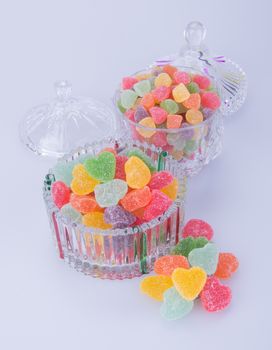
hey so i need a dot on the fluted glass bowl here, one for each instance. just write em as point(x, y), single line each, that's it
point(116, 253)
point(193, 146)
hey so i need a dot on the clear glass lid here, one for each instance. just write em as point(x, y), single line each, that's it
point(231, 79)
point(65, 123)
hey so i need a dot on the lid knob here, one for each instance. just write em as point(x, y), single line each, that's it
point(194, 34)
point(63, 89)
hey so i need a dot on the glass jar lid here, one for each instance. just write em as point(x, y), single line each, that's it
point(65, 123)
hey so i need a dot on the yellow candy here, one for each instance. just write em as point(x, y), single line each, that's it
point(180, 93)
point(171, 190)
point(155, 286)
point(137, 173)
point(147, 122)
point(143, 76)
point(194, 116)
point(163, 79)
point(82, 182)
point(189, 282)
point(95, 219)
point(177, 154)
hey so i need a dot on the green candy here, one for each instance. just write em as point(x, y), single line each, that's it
point(186, 245)
point(174, 306)
point(128, 98)
point(142, 88)
point(102, 167)
point(170, 106)
point(192, 87)
point(190, 146)
point(121, 108)
point(110, 193)
point(63, 172)
point(206, 258)
point(140, 154)
point(70, 213)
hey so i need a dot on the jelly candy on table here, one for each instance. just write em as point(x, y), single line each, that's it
point(102, 167)
point(95, 219)
point(171, 190)
point(180, 93)
point(193, 102)
point(174, 306)
point(202, 81)
point(83, 204)
point(205, 257)
point(60, 193)
point(128, 98)
point(149, 123)
point(170, 106)
point(196, 228)
point(182, 77)
point(165, 265)
point(82, 182)
point(118, 217)
point(160, 180)
point(140, 113)
point(163, 79)
point(136, 199)
point(161, 93)
point(158, 115)
point(142, 87)
point(128, 82)
point(215, 296)
point(63, 172)
point(227, 265)
point(186, 245)
point(137, 173)
point(69, 212)
point(189, 282)
point(158, 205)
point(194, 116)
point(140, 154)
point(155, 286)
point(120, 167)
point(109, 193)
point(210, 100)
point(173, 121)
point(148, 101)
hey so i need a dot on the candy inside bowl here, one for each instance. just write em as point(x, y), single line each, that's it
point(114, 240)
point(175, 108)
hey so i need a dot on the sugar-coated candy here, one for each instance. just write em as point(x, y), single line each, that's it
point(136, 199)
point(130, 114)
point(158, 115)
point(155, 286)
point(174, 306)
point(158, 205)
point(177, 140)
point(197, 228)
point(169, 69)
point(194, 116)
point(128, 98)
point(210, 100)
point(192, 87)
point(121, 108)
point(102, 167)
point(186, 245)
point(140, 154)
point(182, 77)
point(149, 123)
point(95, 219)
point(227, 265)
point(142, 88)
point(128, 82)
point(60, 193)
point(137, 172)
point(171, 190)
point(180, 93)
point(118, 217)
point(83, 204)
point(161, 93)
point(63, 172)
point(109, 193)
point(163, 79)
point(82, 182)
point(173, 121)
point(148, 101)
point(215, 296)
point(69, 212)
point(205, 257)
point(120, 167)
point(159, 139)
point(165, 265)
point(189, 282)
point(160, 180)
point(202, 81)
point(107, 149)
point(140, 113)
point(193, 102)
point(143, 76)
point(170, 106)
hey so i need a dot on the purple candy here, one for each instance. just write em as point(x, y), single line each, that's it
point(140, 114)
point(118, 217)
point(187, 134)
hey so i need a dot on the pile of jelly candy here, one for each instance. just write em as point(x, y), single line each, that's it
point(171, 99)
point(113, 190)
point(193, 270)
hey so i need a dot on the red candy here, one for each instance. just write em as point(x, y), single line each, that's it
point(159, 139)
point(160, 179)
point(158, 205)
point(182, 77)
point(83, 204)
point(60, 193)
point(197, 228)
point(227, 265)
point(161, 93)
point(130, 114)
point(170, 70)
point(128, 82)
point(210, 100)
point(167, 264)
point(120, 167)
point(202, 81)
point(215, 296)
point(158, 114)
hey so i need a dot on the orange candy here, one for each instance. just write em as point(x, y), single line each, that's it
point(173, 121)
point(167, 264)
point(136, 199)
point(83, 204)
point(170, 70)
point(227, 265)
point(148, 101)
point(193, 102)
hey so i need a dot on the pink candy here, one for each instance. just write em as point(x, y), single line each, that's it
point(159, 139)
point(128, 82)
point(210, 100)
point(161, 93)
point(158, 205)
point(182, 77)
point(158, 114)
point(160, 180)
point(60, 193)
point(197, 228)
point(202, 81)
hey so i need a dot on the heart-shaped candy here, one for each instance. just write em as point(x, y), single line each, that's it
point(174, 306)
point(165, 265)
point(227, 265)
point(206, 258)
point(102, 167)
point(197, 228)
point(189, 283)
point(109, 193)
point(82, 183)
point(215, 296)
point(186, 245)
point(155, 286)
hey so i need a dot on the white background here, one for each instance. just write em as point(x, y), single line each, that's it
point(43, 303)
